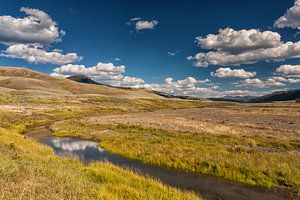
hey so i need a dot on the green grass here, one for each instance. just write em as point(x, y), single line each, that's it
point(242, 159)
point(29, 170)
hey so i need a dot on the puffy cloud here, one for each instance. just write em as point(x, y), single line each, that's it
point(187, 82)
point(291, 18)
point(192, 87)
point(187, 87)
point(283, 80)
point(291, 80)
point(36, 54)
point(292, 71)
point(140, 24)
point(132, 82)
point(27, 38)
point(101, 71)
point(37, 27)
point(257, 83)
point(231, 47)
point(232, 73)
point(275, 81)
point(204, 81)
point(106, 73)
point(252, 83)
point(236, 42)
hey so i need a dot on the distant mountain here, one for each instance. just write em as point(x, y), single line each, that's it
point(233, 98)
point(278, 96)
point(82, 79)
point(167, 95)
point(88, 80)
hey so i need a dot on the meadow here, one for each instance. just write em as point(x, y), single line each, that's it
point(29, 170)
point(231, 157)
point(255, 144)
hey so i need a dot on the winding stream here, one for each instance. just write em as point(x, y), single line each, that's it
point(209, 188)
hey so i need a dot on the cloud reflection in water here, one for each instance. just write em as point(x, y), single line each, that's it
point(69, 144)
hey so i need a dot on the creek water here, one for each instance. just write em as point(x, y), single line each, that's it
point(207, 187)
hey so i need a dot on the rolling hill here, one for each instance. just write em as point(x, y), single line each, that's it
point(233, 98)
point(26, 80)
point(85, 79)
point(278, 96)
point(286, 95)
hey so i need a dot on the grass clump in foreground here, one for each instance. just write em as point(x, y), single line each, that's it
point(234, 158)
point(29, 170)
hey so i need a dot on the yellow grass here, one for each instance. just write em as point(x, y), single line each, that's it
point(31, 171)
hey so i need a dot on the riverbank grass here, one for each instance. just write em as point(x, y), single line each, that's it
point(242, 159)
point(29, 170)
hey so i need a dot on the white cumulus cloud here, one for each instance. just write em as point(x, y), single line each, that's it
point(140, 24)
point(285, 74)
point(106, 73)
point(28, 38)
point(231, 47)
point(37, 27)
point(232, 73)
point(292, 80)
point(36, 54)
point(291, 18)
point(292, 71)
point(186, 87)
point(258, 83)
point(236, 42)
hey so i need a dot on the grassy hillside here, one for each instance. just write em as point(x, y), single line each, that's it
point(278, 96)
point(31, 81)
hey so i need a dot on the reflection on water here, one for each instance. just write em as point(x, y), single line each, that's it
point(68, 144)
point(69, 147)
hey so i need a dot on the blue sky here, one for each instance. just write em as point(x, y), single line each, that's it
point(154, 54)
